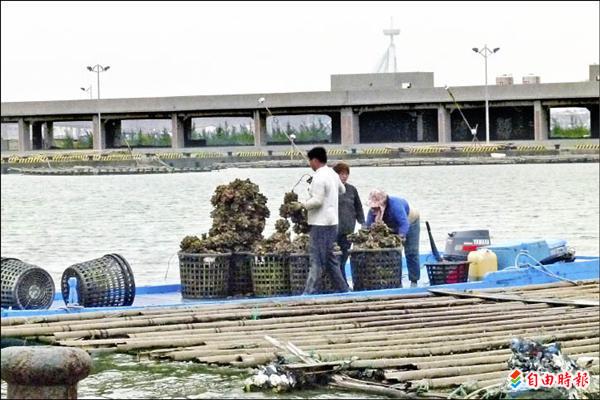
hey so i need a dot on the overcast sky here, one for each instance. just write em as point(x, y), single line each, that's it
point(173, 49)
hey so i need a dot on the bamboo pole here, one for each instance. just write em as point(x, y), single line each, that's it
point(399, 352)
point(180, 328)
point(457, 359)
point(345, 382)
point(194, 317)
point(201, 337)
point(558, 302)
point(455, 381)
point(319, 346)
point(402, 376)
point(211, 306)
point(493, 325)
point(355, 322)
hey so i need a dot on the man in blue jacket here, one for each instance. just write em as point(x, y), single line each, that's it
point(404, 221)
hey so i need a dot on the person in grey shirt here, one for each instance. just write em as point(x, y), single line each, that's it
point(350, 212)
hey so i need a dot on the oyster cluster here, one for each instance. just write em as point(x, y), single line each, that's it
point(280, 241)
point(295, 212)
point(270, 377)
point(238, 219)
point(378, 236)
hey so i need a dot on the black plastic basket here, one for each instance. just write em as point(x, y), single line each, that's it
point(299, 268)
point(204, 275)
point(374, 269)
point(102, 282)
point(447, 272)
point(25, 286)
point(271, 274)
point(240, 274)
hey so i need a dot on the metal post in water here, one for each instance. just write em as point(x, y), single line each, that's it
point(44, 372)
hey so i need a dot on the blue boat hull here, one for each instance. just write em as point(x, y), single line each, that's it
point(583, 268)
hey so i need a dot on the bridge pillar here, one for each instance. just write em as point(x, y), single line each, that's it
point(113, 133)
point(540, 121)
point(444, 125)
point(47, 135)
point(594, 120)
point(419, 126)
point(349, 126)
point(260, 128)
point(98, 133)
point(36, 135)
point(181, 127)
point(24, 135)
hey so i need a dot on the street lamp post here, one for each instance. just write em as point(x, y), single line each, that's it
point(88, 89)
point(97, 69)
point(485, 52)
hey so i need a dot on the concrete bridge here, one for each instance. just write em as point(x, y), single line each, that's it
point(364, 108)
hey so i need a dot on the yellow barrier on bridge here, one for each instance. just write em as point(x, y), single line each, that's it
point(251, 154)
point(425, 149)
point(337, 152)
point(587, 146)
point(479, 149)
point(169, 156)
point(32, 159)
point(208, 154)
point(123, 157)
point(290, 153)
point(70, 157)
point(531, 148)
point(377, 150)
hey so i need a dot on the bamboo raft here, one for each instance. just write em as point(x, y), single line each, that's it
point(439, 339)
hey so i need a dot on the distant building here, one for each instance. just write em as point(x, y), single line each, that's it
point(504, 80)
point(531, 79)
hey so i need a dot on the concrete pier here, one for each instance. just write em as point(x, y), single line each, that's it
point(540, 121)
point(444, 125)
point(24, 135)
point(47, 135)
point(260, 128)
point(349, 126)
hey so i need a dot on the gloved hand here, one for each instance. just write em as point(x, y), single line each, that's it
point(402, 238)
point(296, 205)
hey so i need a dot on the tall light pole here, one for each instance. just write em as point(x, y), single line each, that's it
point(485, 52)
point(88, 89)
point(97, 69)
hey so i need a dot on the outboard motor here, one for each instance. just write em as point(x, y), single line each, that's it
point(460, 243)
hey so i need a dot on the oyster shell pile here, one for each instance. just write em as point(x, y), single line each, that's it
point(378, 236)
point(238, 219)
point(280, 241)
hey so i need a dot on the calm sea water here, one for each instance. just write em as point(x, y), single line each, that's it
point(57, 221)
point(54, 222)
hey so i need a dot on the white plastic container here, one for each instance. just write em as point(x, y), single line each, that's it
point(481, 262)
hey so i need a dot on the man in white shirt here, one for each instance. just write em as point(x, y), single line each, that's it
point(322, 207)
